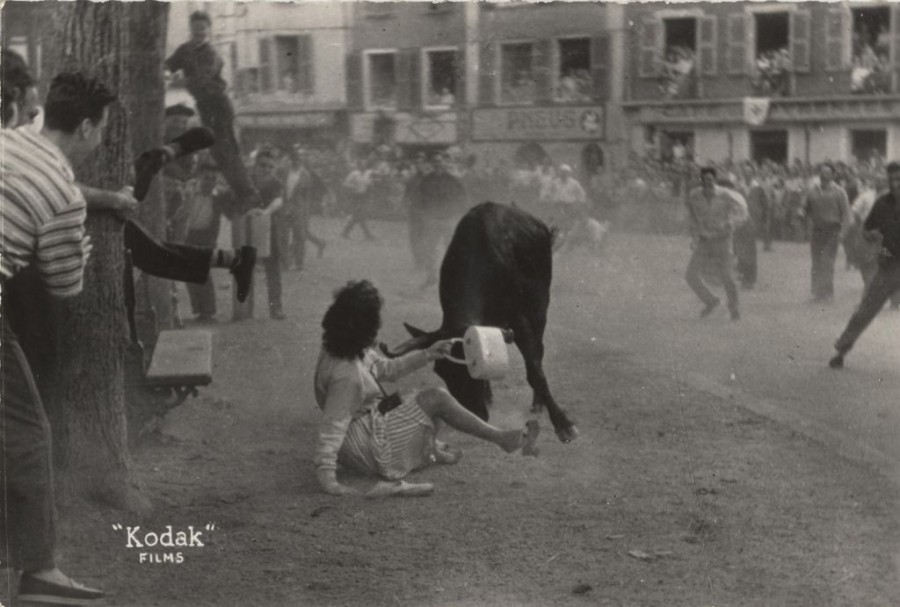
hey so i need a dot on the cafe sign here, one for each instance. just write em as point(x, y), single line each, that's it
point(539, 123)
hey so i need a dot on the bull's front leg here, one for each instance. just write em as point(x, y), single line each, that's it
point(531, 347)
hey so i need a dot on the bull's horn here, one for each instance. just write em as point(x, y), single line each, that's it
point(416, 343)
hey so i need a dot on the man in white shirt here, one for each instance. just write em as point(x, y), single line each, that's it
point(715, 212)
point(357, 186)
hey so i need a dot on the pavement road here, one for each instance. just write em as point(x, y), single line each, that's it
point(773, 361)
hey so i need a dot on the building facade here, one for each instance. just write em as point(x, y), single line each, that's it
point(550, 84)
point(803, 81)
point(518, 82)
point(407, 76)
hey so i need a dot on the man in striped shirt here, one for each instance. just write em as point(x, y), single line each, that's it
point(42, 214)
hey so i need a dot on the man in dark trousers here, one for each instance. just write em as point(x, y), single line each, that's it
point(828, 211)
point(304, 189)
point(440, 200)
point(881, 228)
point(202, 66)
point(271, 199)
point(43, 214)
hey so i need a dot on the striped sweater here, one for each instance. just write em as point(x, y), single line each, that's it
point(42, 212)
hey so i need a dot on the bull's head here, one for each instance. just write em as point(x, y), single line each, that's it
point(474, 394)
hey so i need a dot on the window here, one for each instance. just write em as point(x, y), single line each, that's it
point(677, 146)
point(285, 66)
point(517, 83)
point(286, 50)
point(679, 57)
point(248, 81)
point(871, 51)
point(440, 77)
point(773, 55)
point(866, 145)
point(381, 79)
point(769, 145)
point(575, 82)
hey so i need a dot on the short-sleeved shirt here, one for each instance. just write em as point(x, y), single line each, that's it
point(885, 218)
point(43, 212)
point(202, 68)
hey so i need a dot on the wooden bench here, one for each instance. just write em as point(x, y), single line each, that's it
point(181, 362)
point(181, 358)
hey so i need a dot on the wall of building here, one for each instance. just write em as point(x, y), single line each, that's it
point(528, 21)
point(712, 145)
point(407, 25)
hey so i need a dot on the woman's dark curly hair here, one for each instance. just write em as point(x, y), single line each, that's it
point(352, 322)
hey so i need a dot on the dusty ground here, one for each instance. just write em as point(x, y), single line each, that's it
point(672, 496)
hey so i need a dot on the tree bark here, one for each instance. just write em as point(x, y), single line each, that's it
point(146, 103)
point(84, 387)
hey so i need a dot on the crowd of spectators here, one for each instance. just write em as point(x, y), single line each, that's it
point(662, 182)
point(575, 86)
point(772, 68)
point(871, 68)
point(649, 182)
point(677, 71)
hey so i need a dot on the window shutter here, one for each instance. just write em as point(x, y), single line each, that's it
point(460, 68)
point(708, 43)
point(487, 75)
point(737, 44)
point(541, 70)
point(415, 77)
point(305, 61)
point(800, 36)
point(649, 37)
point(266, 77)
point(403, 67)
point(354, 81)
point(600, 67)
point(895, 36)
point(834, 40)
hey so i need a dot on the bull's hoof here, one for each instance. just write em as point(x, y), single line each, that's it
point(567, 435)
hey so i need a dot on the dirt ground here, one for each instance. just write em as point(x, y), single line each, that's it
point(672, 496)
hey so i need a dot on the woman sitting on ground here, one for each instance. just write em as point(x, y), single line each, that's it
point(370, 432)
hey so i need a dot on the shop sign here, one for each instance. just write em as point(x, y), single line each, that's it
point(432, 128)
point(428, 128)
point(541, 124)
point(304, 120)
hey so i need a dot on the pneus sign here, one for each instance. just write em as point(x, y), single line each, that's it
point(539, 123)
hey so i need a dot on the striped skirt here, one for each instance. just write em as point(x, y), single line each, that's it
point(392, 445)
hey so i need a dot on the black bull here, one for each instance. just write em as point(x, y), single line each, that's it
point(496, 272)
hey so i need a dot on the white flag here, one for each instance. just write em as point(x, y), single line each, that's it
point(756, 110)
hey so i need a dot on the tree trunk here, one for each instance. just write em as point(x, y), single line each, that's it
point(84, 389)
point(146, 105)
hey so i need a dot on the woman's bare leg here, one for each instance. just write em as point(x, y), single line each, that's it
point(438, 404)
